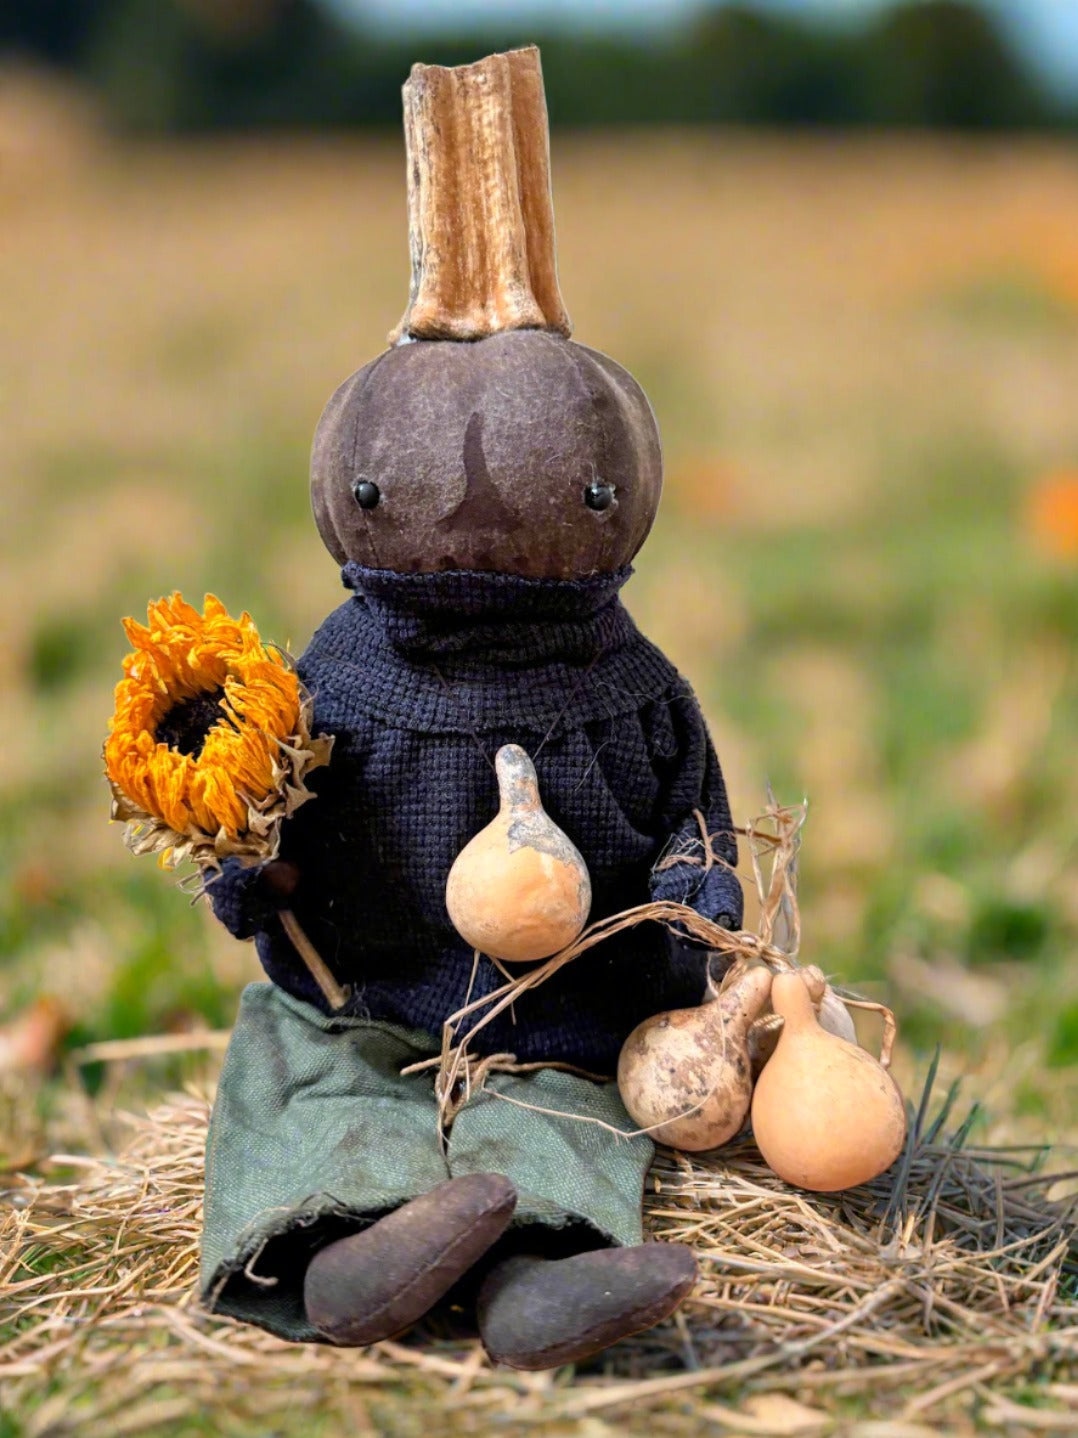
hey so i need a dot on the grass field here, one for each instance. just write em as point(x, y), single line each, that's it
point(863, 355)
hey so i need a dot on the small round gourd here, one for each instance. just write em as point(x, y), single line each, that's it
point(686, 1075)
point(520, 890)
point(825, 1114)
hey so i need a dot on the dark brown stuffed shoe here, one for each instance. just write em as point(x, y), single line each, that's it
point(376, 1283)
point(541, 1313)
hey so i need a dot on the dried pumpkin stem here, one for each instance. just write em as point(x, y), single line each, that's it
point(480, 214)
point(334, 995)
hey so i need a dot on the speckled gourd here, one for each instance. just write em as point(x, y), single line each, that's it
point(686, 1075)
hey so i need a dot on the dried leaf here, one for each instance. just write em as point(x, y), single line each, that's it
point(31, 1041)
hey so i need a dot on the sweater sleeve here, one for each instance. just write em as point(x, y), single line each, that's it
point(694, 791)
point(237, 898)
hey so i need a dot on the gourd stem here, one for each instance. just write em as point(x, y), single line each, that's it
point(790, 999)
point(518, 783)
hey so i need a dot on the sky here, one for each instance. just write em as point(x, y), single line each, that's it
point(1046, 31)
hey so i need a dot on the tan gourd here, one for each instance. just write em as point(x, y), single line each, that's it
point(520, 889)
point(825, 1114)
point(832, 1013)
point(685, 1076)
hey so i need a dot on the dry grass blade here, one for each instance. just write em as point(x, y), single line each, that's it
point(945, 1279)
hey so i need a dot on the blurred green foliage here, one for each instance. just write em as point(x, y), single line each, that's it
point(1063, 1048)
point(179, 66)
point(58, 653)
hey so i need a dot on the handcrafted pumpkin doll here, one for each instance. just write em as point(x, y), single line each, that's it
point(484, 483)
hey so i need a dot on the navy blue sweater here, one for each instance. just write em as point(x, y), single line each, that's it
point(421, 678)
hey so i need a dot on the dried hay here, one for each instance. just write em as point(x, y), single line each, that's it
point(945, 1293)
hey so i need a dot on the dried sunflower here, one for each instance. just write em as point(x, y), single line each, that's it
point(210, 742)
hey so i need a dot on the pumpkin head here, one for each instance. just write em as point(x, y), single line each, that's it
point(484, 438)
point(522, 453)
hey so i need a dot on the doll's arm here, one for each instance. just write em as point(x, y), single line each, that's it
point(695, 801)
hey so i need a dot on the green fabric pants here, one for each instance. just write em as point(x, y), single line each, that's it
point(316, 1134)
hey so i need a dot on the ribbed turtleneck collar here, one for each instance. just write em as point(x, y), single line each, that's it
point(494, 618)
point(492, 653)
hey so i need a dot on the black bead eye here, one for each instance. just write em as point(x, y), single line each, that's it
point(367, 493)
point(599, 496)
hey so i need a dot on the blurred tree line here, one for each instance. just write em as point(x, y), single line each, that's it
point(164, 66)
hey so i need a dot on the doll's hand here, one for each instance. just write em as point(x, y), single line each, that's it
point(714, 893)
point(278, 881)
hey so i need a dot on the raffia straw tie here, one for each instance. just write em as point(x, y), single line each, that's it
point(476, 1073)
point(460, 1075)
point(776, 833)
point(707, 856)
point(474, 1081)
